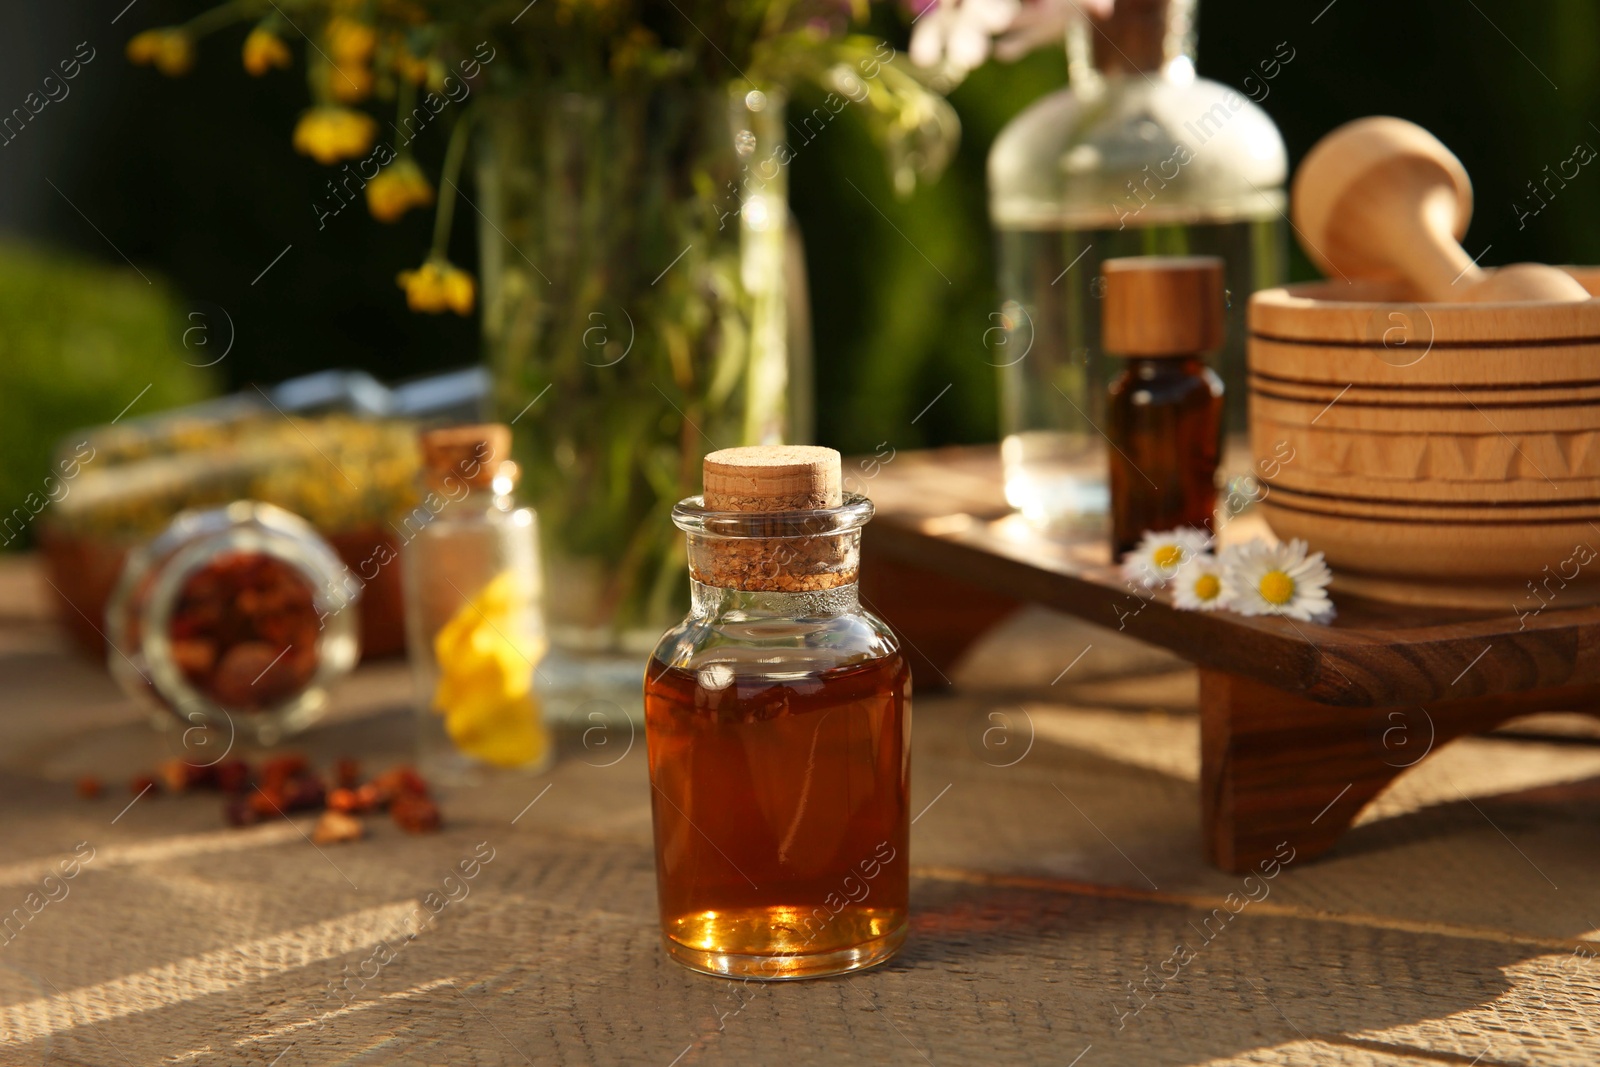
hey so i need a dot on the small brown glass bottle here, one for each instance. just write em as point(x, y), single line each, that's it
point(778, 717)
point(1162, 314)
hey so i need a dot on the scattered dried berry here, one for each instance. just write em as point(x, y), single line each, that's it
point(287, 783)
point(414, 814)
point(266, 801)
point(347, 773)
point(399, 781)
point(336, 826)
point(180, 776)
point(89, 787)
point(280, 769)
point(304, 793)
point(232, 776)
point(240, 812)
point(346, 800)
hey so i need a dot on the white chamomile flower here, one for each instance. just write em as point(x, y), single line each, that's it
point(1198, 586)
point(1156, 559)
point(1259, 578)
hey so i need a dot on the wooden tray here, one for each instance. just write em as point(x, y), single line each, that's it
point(1297, 720)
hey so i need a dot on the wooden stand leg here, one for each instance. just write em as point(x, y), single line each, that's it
point(939, 617)
point(1277, 769)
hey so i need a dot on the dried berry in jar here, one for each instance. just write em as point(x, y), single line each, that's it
point(244, 630)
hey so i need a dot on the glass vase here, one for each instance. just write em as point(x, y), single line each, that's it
point(636, 317)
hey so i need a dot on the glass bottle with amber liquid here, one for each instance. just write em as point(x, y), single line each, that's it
point(778, 718)
point(1161, 315)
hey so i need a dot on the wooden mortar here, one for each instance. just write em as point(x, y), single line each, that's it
point(1437, 453)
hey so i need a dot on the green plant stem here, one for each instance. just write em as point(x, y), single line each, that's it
point(449, 175)
point(216, 18)
point(405, 99)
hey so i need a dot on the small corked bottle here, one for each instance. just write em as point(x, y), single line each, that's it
point(474, 609)
point(778, 717)
point(1162, 314)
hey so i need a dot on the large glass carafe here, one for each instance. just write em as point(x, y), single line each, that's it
point(1137, 156)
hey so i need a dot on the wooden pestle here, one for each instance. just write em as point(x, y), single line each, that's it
point(1381, 198)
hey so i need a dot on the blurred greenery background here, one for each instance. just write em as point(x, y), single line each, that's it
point(137, 199)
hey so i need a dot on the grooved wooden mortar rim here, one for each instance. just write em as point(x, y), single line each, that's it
point(1501, 398)
point(1324, 313)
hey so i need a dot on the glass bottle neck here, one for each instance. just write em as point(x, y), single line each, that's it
point(1145, 38)
point(737, 605)
point(1163, 366)
point(468, 502)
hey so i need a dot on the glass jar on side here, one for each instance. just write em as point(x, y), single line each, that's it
point(474, 618)
point(1164, 418)
point(233, 621)
point(778, 716)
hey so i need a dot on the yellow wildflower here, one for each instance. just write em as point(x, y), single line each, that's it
point(485, 690)
point(438, 286)
point(171, 51)
point(412, 68)
point(397, 189)
point(264, 50)
point(350, 83)
point(350, 42)
point(329, 134)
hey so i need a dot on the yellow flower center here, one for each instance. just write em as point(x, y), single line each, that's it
point(1206, 587)
point(1277, 588)
point(1167, 557)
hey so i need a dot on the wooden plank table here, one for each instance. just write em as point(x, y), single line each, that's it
point(1301, 725)
point(1051, 893)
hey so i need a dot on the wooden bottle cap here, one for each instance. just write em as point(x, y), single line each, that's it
point(475, 454)
point(773, 478)
point(1162, 305)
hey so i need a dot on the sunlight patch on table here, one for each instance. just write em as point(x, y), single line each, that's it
point(1479, 766)
point(198, 976)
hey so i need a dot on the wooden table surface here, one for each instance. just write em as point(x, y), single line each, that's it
point(1061, 910)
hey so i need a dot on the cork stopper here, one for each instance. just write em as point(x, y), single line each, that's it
point(1162, 305)
point(773, 478)
point(474, 454)
point(780, 547)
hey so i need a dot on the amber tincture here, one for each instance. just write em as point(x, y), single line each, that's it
point(1162, 314)
point(778, 716)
